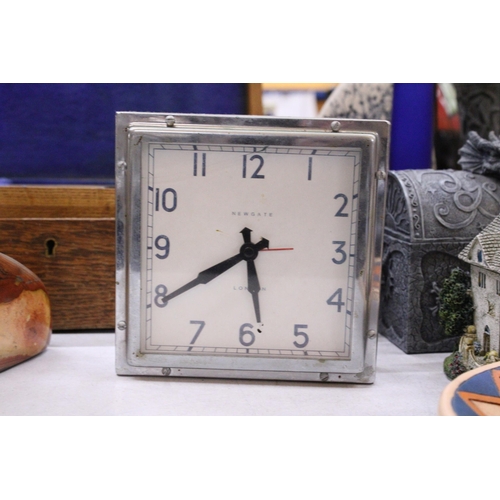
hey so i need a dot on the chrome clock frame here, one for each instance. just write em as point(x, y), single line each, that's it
point(370, 137)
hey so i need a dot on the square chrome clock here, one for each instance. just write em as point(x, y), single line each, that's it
point(248, 247)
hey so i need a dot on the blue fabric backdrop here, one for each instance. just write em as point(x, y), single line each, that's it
point(412, 129)
point(60, 132)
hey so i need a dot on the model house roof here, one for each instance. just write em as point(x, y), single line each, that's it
point(484, 249)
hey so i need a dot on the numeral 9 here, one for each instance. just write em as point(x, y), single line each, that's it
point(162, 243)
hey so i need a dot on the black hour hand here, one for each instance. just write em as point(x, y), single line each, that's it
point(206, 276)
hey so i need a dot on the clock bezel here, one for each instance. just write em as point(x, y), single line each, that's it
point(133, 130)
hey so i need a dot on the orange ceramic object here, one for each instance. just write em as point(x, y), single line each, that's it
point(25, 318)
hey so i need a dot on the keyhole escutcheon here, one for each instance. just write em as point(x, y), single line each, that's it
point(50, 247)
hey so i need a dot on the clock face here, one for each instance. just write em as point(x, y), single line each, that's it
point(292, 295)
point(248, 247)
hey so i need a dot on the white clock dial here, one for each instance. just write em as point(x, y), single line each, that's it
point(197, 200)
point(248, 247)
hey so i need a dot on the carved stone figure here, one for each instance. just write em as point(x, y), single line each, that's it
point(431, 215)
point(360, 100)
point(481, 156)
point(479, 107)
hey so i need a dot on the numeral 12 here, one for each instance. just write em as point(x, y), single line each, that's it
point(256, 174)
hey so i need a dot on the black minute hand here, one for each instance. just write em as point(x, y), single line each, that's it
point(206, 276)
point(254, 287)
point(250, 252)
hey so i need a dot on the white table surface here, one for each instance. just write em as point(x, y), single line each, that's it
point(76, 376)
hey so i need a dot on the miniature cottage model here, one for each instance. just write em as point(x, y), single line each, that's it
point(483, 255)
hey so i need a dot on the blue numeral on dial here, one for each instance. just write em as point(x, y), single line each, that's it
point(336, 300)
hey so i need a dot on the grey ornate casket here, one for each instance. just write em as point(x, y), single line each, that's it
point(431, 215)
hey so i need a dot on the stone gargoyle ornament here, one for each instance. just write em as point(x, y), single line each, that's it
point(481, 156)
point(25, 316)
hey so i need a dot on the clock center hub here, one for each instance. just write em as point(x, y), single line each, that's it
point(249, 251)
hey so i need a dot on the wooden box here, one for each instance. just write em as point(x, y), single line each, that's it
point(65, 235)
